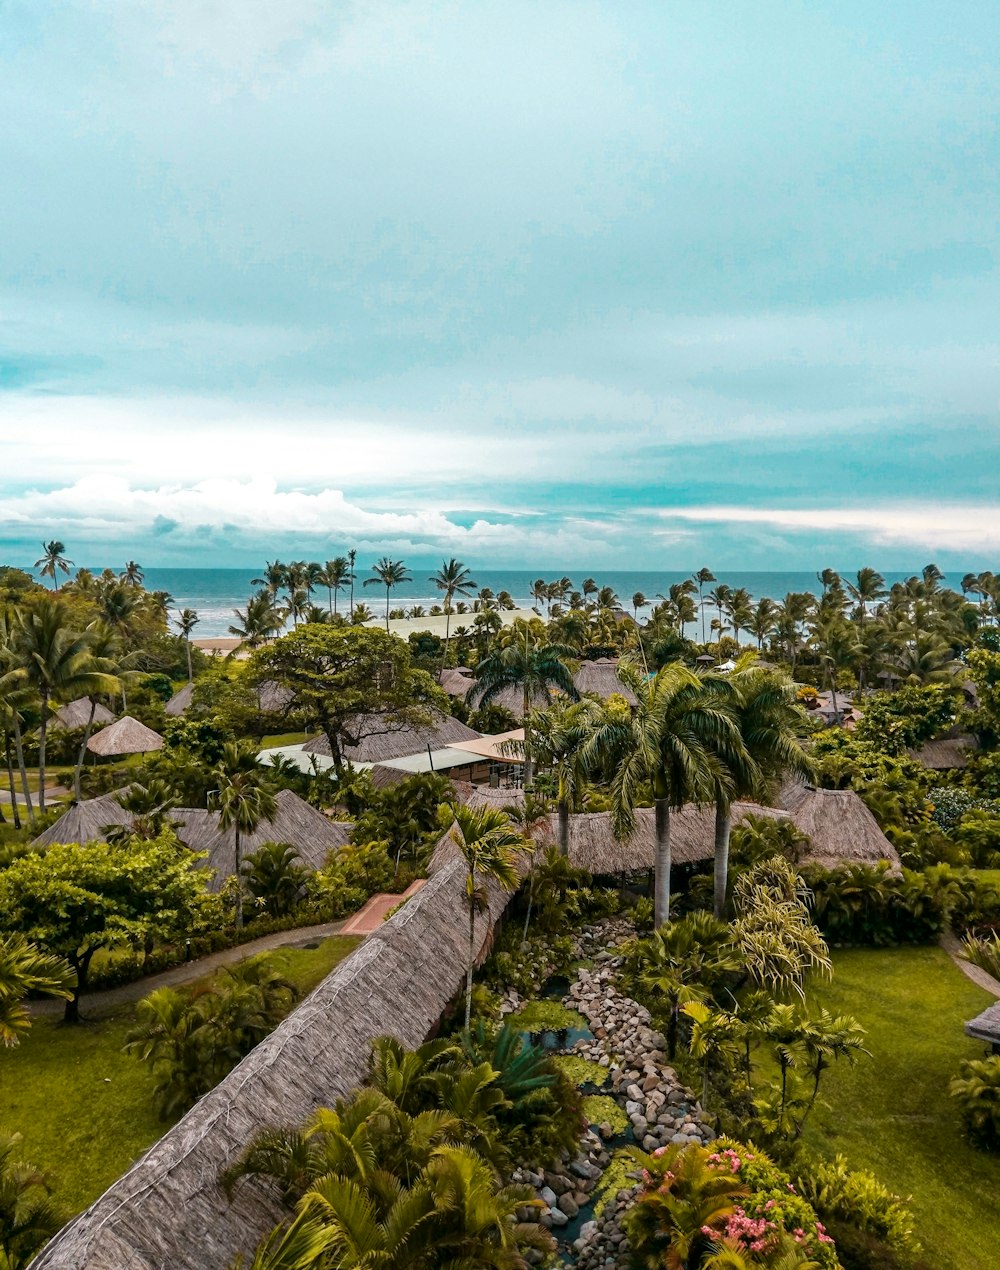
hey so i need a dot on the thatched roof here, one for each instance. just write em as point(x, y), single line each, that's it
point(842, 829)
point(600, 679)
point(946, 754)
point(487, 796)
point(311, 833)
point(180, 701)
point(76, 714)
point(274, 698)
point(387, 741)
point(457, 682)
point(126, 736)
point(168, 1212)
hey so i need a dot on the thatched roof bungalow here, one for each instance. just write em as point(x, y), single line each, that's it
point(842, 829)
point(947, 754)
point(382, 740)
point(457, 682)
point(169, 1212)
point(600, 679)
point(76, 714)
point(180, 702)
point(125, 736)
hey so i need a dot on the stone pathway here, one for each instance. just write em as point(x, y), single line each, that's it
point(189, 971)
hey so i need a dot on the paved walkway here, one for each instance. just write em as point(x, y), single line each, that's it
point(369, 918)
point(189, 971)
point(953, 947)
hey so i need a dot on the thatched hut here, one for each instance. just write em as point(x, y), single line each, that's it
point(274, 698)
point(169, 1211)
point(457, 682)
point(180, 702)
point(842, 829)
point(76, 715)
point(947, 754)
point(126, 736)
point(600, 679)
point(382, 740)
point(86, 822)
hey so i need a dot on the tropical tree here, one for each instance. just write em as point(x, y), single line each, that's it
point(259, 622)
point(274, 877)
point(55, 661)
point(108, 657)
point(489, 843)
point(762, 620)
point(388, 573)
point(28, 1217)
point(701, 579)
point(452, 579)
point(669, 746)
point(336, 573)
point(245, 802)
point(187, 620)
point(275, 576)
point(53, 561)
point(14, 694)
point(838, 648)
point(719, 596)
point(23, 969)
point(132, 575)
point(559, 739)
point(868, 588)
point(534, 668)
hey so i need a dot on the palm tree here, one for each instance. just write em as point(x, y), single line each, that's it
point(335, 575)
point(719, 596)
point(762, 620)
point(275, 575)
point(738, 610)
point(13, 695)
point(388, 573)
point(360, 614)
point(53, 560)
point(110, 658)
point(639, 601)
point(298, 604)
point(132, 575)
point(838, 647)
point(274, 877)
point(55, 660)
point(869, 587)
point(23, 969)
point(700, 579)
point(187, 620)
point(763, 706)
point(452, 579)
point(352, 557)
point(245, 802)
point(28, 1217)
point(559, 739)
point(259, 622)
point(489, 843)
point(535, 669)
point(670, 743)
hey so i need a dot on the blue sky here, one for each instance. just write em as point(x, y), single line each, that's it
point(559, 285)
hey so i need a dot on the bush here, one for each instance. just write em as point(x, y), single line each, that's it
point(983, 952)
point(977, 1090)
point(858, 1199)
point(863, 905)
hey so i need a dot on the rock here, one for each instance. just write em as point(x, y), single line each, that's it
point(587, 1231)
point(548, 1196)
point(568, 1205)
point(557, 1217)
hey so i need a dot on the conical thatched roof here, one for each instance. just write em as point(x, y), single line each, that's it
point(456, 682)
point(180, 701)
point(600, 679)
point(86, 821)
point(169, 1212)
point(274, 698)
point(76, 714)
point(842, 829)
point(947, 754)
point(382, 740)
point(126, 736)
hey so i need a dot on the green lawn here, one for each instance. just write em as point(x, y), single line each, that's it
point(285, 738)
point(891, 1113)
point(84, 1107)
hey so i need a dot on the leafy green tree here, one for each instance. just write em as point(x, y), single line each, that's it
point(23, 969)
point(258, 622)
point(72, 900)
point(349, 682)
point(53, 561)
point(273, 877)
point(388, 573)
point(838, 648)
point(489, 844)
point(245, 802)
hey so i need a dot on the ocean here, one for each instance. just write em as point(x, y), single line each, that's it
point(215, 593)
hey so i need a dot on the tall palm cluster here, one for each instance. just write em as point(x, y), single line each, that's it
point(412, 1169)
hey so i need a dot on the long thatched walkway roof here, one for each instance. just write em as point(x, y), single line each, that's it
point(381, 740)
point(169, 1212)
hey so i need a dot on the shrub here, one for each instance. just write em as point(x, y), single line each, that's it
point(983, 952)
point(857, 1198)
point(864, 905)
point(977, 1090)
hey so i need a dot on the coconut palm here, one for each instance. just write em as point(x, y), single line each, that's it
point(762, 620)
point(838, 647)
point(352, 559)
point(559, 738)
point(452, 579)
point(388, 573)
point(274, 877)
point(868, 588)
point(534, 669)
point(187, 620)
point(55, 661)
point(245, 802)
point(110, 658)
point(132, 575)
point(14, 694)
point(701, 579)
point(53, 561)
point(275, 575)
point(335, 576)
point(23, 969)
point(639, 601)
point(489, 843)
point(258, 622)
point(719, 596)
point(738, 610)
point(670, 744)
point(28, 1217)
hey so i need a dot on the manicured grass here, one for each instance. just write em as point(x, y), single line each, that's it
point(85, 1108)
point(285, 738)
point(891, 1113)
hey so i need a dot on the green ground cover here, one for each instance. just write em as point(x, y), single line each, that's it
point(891, 1113)
point(285, 738)
point(85, 1108)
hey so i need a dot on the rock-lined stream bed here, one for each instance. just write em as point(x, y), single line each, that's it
point(631, 1086)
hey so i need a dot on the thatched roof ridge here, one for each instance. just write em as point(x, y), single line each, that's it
point(76, 714)
point(390, 741)
point(456, 682)
point(600, 679)
point(180, 701)
point(168, 1212)
point(274, 698)
point(86, 821)
point(946, 754)
point(487, 795)
point(842, 829)
point(125, 736)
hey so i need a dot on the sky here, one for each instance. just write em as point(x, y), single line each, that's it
point(538, 285)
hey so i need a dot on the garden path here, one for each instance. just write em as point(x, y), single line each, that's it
point(978, 976)
point(373, 914)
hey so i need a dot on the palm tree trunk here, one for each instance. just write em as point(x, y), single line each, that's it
point(187, 642)
point(83, 750)
point(472, 955)
point(19, 751)
point(661, 875)
point(563, 812)
point(42, 738)
point(723, 826)
point(529, 770)
point(239, 884)
point(387, 610)
point(10, 779)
